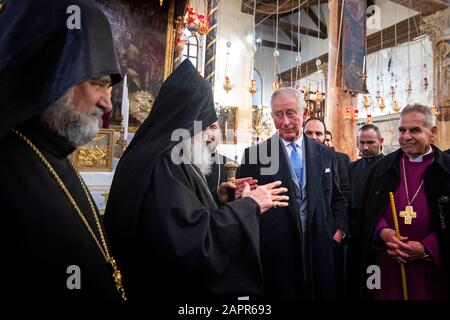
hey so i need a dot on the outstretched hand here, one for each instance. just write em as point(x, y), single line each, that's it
point(237, 185)
point(267, 196)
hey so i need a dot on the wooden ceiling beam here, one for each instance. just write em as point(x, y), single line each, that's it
point(281, 46)
point(303, 30)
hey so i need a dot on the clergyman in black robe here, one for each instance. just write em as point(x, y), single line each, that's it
point(54, 90)
point(171, 240)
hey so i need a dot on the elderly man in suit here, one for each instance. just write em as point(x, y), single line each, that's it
point(298, 242)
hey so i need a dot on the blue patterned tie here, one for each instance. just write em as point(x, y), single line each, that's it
point(297, 164)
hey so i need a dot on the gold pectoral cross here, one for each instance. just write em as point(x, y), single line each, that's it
point(408, 214)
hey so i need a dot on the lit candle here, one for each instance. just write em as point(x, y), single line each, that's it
point(225, 130)
point(125, 108)
point(364, 65)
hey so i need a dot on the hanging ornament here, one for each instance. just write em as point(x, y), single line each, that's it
point(319, 96)
point(192, 20)
point(425, 83)
point(276, 85)
point(396, 106)
point(381, 104)
point(179, 36)
point(348, 113)
point(203, 24)
point(252, 88)
point(377, 96)
point(366, 103)
point(435, 110)
point(392, 91)
point(369, 119)
point(306, 92)
point(425, 77)
point(355, 115)
point(409, 88)
point(227, 84)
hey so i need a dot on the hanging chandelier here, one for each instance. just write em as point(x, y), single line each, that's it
point(195, 20)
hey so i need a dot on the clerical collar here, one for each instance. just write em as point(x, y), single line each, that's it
point(46, 140)
point(420, 158)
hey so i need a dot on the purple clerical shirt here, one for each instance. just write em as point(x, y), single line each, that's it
point(424, 280)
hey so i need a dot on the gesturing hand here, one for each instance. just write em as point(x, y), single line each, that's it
point(267, 196)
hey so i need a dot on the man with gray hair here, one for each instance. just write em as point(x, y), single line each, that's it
point(418, 175)
point(298, 242)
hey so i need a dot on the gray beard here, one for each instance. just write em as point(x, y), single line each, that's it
point(76, 127)
point(196, 152)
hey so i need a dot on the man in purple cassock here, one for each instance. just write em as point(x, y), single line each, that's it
point(418, 174)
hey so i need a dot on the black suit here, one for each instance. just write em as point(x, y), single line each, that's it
point(343, 161)
point(297, 264)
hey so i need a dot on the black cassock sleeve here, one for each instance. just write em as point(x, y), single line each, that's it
point(219, 247)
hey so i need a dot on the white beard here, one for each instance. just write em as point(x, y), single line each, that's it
point(76, 127)
point(196, 152)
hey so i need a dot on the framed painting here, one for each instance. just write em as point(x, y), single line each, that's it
point(353, 49)
point(228, 121)
point(143, 38)
point(97, 155)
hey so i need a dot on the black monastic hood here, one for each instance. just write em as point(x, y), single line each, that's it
point(184, 97)
point(41, 58)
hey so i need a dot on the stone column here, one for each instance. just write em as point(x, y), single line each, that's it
point(438, 28)
point(344, 131)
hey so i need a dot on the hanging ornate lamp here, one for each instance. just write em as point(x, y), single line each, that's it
point(203, 24)
point(227, 86)
point(366, 103)
point(179, 36)
point(319, 96)
point(369, 119)
point(276, 85)
point(381, 104)
point(435, 110)
point(348, 113)
point(396, 106)
point(192, 20)
point(355, 114)
point(252, 88)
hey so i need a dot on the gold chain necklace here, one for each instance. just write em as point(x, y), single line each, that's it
point(408, 214)
point(117, 276)
point(204, 184)
point(218, 172)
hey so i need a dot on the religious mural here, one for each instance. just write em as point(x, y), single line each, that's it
point(139, 30)
point(353, 49)
point(228, 120)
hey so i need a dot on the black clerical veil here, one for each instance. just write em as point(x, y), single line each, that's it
point(41, 58)
point(184, 97)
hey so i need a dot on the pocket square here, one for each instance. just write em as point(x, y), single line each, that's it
point(327, 170)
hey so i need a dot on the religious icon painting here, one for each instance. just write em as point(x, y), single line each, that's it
point(228, 121)
point(97, 155)
point(353, 48)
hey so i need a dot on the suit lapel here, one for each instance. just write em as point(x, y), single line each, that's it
point(314, 171)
